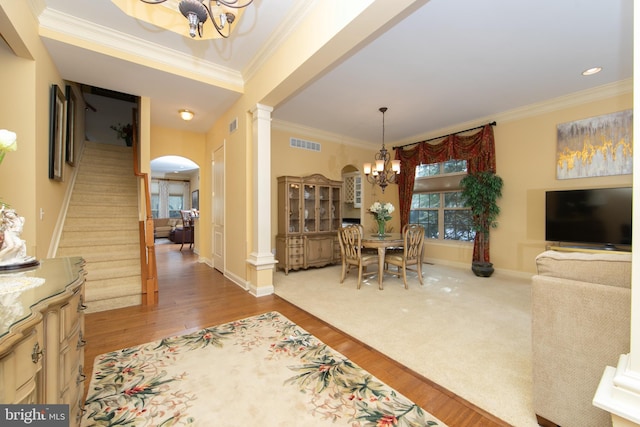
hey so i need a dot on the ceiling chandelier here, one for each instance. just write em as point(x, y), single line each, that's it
point(385, 170)
point(196, 12)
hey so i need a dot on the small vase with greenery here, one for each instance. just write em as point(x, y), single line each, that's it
point(480, 192)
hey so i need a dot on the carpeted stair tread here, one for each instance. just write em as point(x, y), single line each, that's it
point(104, 211)
point(101, 270)
point(113, 303)
point(96, 198)
point(104, 187)
point(101, 253)
point(101, 237)
point(108, 288)
point(102, 226)
point(122, 224)
point(99, 147)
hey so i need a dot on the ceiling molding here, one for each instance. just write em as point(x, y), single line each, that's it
point(301, 130)
point(567, 101)
point(54, 23)
point(278, 37)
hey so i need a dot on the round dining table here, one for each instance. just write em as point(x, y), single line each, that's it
point(388, 240)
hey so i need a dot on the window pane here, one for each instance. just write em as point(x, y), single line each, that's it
point(453, 200)
point(155, 205)
point(428, 170)
point(175, 205)
point(428, 219)
point(457, 225)
point(452, 166)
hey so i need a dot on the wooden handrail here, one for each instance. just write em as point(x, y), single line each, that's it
point(147, 244)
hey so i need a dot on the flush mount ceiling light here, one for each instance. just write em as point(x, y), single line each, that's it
point(591, 71)
point(186, 114)
point(386, 170)
point(197, 11)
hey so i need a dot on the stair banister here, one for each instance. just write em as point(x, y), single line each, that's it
point(147, 245)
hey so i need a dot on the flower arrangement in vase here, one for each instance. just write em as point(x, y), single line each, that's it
point(382, 213)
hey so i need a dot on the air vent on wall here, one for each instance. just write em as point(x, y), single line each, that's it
point(233, 125)
point(305, 145)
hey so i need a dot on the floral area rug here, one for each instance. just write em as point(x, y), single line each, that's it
point(263, 370)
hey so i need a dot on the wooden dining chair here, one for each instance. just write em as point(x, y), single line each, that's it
point(187, 228)
point(411, 254)
point(350, 238)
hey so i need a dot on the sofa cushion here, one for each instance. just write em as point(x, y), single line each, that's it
point(602, 268)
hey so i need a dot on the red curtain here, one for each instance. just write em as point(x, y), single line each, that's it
point(477, 149)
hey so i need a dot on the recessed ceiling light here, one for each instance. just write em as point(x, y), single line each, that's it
point(591, 71)
point(186, 114)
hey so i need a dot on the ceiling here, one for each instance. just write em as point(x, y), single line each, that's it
point(442, 64)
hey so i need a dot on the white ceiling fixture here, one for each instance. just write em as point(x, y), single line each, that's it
point(197, 11)
point(186, 114)
point(591, 71)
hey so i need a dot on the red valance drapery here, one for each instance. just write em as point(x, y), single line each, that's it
point(477, 149)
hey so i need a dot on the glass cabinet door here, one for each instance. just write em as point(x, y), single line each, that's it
point(334, 214)
point(294, 208)
point(309, 208)
point(324, 208)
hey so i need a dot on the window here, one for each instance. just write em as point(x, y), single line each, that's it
point(168, 198)
point(437, 202)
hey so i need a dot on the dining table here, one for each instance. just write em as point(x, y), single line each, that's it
point(382, 242)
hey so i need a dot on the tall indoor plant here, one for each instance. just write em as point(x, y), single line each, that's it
point(480, 192)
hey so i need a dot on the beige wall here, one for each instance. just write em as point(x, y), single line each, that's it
point(335, 154)
point(26, 76)
point(526, 154)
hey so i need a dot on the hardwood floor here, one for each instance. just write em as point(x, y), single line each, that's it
point(193, 295)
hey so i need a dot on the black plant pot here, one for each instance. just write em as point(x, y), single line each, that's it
point(482, 269)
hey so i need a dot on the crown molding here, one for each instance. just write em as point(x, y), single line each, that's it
point(62, 26)
point(278, 37)
point(321, 134)
point(610, 90)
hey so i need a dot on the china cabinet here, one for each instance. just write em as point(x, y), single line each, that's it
point(309, 216)
point(41, 335)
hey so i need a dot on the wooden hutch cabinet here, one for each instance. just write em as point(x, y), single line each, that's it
point(309, 216)
point(41, 335)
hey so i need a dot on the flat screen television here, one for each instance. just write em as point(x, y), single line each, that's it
point(598, 217)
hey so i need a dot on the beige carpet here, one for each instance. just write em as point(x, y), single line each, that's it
point(470, 335)
point(259, 371)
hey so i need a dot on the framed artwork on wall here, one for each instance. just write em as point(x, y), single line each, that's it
point(597, 146)
point(195, 199)
point(70, 140)
point(57, 132)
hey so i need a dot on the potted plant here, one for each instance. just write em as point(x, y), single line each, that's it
point(480, 192)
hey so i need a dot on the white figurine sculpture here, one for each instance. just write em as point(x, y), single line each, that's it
point(13, 249)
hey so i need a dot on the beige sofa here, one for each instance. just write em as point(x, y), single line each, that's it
point(162, 227)
point(581, 304)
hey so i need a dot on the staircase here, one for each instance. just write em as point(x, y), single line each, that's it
point(102, 227)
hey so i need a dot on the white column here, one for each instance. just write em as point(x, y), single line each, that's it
point(619, 389)
point(261, 257)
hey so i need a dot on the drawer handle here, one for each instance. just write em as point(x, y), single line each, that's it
point(81, 306)
point(81, 375)
point(81, 341)
point(37, 353)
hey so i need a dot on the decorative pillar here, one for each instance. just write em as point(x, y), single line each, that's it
point(261, 261)
point(619, 389)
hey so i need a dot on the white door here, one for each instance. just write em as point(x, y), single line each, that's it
point(217, 245)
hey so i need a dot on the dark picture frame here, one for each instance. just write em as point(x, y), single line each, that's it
point(57, 131)
point(70, 140)
point(195, 199)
